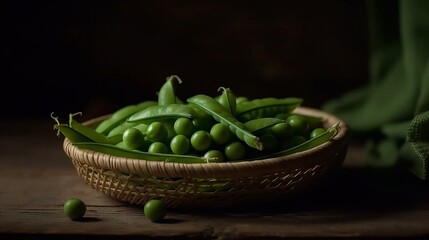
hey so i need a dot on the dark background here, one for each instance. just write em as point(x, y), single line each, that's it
point(94, 57)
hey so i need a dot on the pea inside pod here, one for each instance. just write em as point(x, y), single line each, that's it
point(306, 145)
point(215, 109)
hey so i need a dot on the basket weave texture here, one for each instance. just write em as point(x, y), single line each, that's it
point(209, 184)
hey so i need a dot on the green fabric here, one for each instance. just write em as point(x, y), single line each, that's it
point(392, 111)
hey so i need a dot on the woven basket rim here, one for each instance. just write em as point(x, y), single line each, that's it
point(312, 156)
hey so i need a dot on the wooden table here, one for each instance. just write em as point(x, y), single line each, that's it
point(355, 202)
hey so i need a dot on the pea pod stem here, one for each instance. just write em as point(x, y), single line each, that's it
point(220, 114)
point(77, 132)
point(71, 134)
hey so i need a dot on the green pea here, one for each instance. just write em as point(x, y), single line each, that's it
point(180, 144)
point(282, 130)
point(158, 147)
point(184, 126)
point(74, 208)
point(214, 156)
point(120, 129)
point(317, 132)
point(157, 132)
point(298, 124)
point(133, 138)
point(220, 133)
point(235, 151)
point(201, 140)
point(155, 210)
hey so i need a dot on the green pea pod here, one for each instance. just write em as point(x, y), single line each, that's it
point(86, 131)
point(121, 115)
point(136, 154)
point(161, 112)
point(260, 124)
point(227, 99)
point(265, 107)
point(69, 132)
point(167, 94)
point(220, 114)
point(311, 143)
point(72, 135)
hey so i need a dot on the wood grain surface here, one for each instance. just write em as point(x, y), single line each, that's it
point(356, 202)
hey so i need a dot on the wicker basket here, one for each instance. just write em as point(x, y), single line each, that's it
point(209, 184)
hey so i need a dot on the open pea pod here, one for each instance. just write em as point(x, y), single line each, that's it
point(162, 112)
point(136, 154)
point(311, 143)
point(265, 107)
point(220, 114)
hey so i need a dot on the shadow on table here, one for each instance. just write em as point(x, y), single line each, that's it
point(346, 190)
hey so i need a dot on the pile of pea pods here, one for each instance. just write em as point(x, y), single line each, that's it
point(202, 129)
